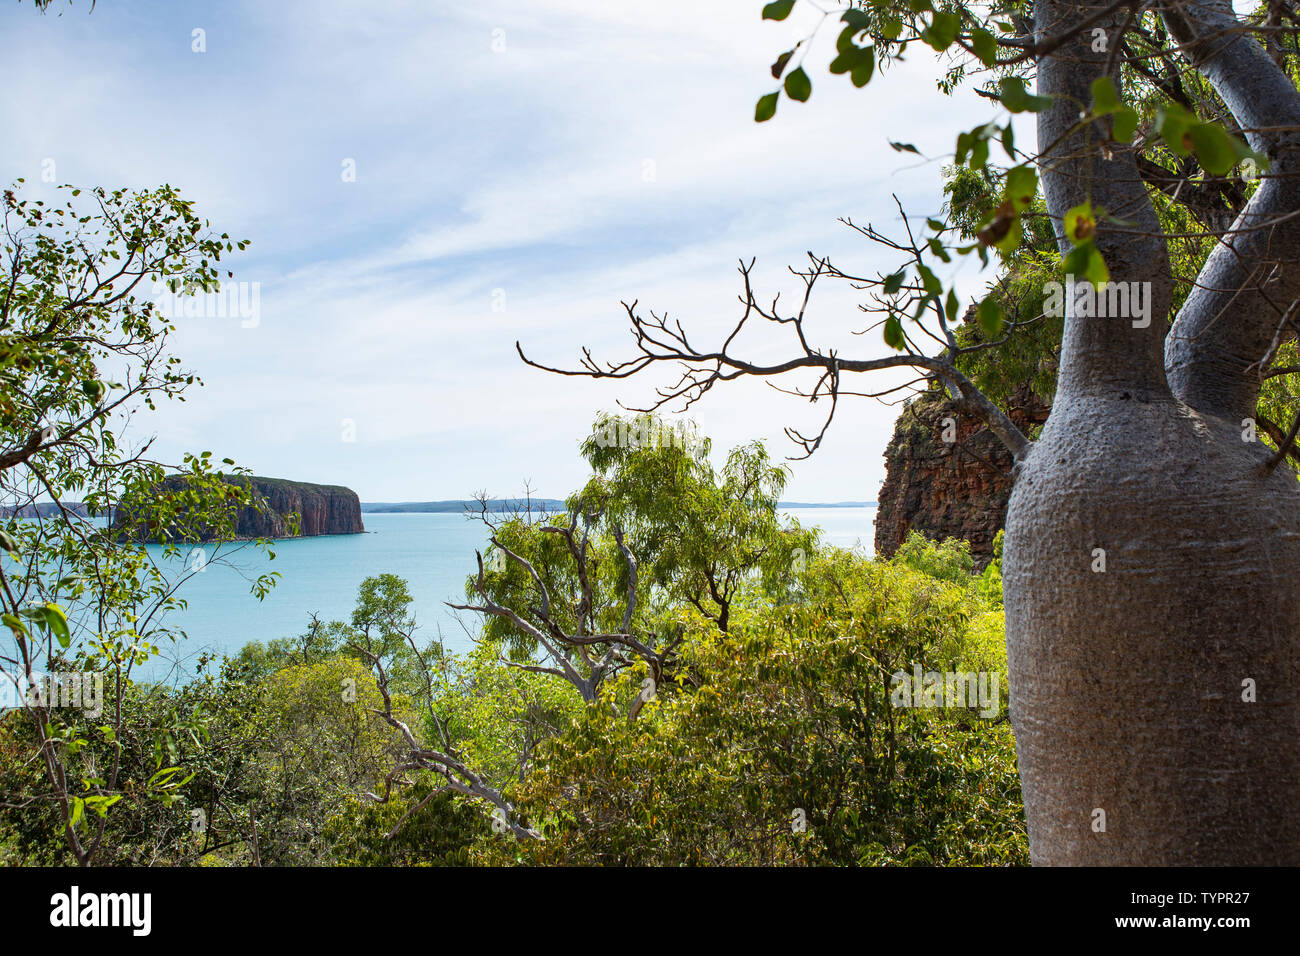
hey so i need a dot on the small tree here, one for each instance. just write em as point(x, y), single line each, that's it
point(595, 589)
point(83, 348)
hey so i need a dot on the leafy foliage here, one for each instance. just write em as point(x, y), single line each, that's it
point(83, 347)
point(783, 747)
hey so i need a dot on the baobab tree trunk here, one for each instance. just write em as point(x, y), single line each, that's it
point(1152, 556)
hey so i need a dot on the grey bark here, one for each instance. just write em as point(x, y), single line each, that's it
point(1127, 683)
point(1251, 281)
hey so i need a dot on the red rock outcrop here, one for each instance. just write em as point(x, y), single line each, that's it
point(322, 509)
point(948, 489)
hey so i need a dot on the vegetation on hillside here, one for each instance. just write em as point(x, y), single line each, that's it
point(665, 673)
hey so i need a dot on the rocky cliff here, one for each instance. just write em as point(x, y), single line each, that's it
point(956, 488)
point(322, 509)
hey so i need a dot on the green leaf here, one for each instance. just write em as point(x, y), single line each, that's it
point(778, 9)
point(942, 30)
point(929, 280)
point(57, 621)
point(1096, 270)
point(952, 306)
point(856, 18)
point(1011, 240)
point(855, 58)
point(1213, 147)
point(904, 147)
point(766, 107)
point(798, 86)
point(985, 46)
point(964, 142)
point(860, 75)
point(1105, 98)
point(1173, 123)
point(1009, 141)
point(1086, 260)
point(7, 542)
point(1080, 223)
point(894, 282)
point(989, 316)
point(779, 66)
point(1019, 100)
point(894, 333)
point(1021, 186)
point(163, 777)
point(100, 804)
point(1125, 124)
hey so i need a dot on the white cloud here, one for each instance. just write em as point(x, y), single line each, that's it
point(522, 171)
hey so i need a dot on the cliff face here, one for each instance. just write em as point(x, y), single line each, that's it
point(942, 489)
point(322, 509)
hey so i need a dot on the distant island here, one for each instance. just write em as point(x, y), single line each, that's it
point(45, 509)
point(322, 509)
point(499, 505)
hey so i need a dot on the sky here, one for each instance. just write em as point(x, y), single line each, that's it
point(426, 183)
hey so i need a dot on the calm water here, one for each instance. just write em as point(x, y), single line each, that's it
point(433, 552)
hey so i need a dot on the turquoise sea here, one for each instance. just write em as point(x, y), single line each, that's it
point(433, 552)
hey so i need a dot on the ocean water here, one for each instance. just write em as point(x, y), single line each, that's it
point(433, 552)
